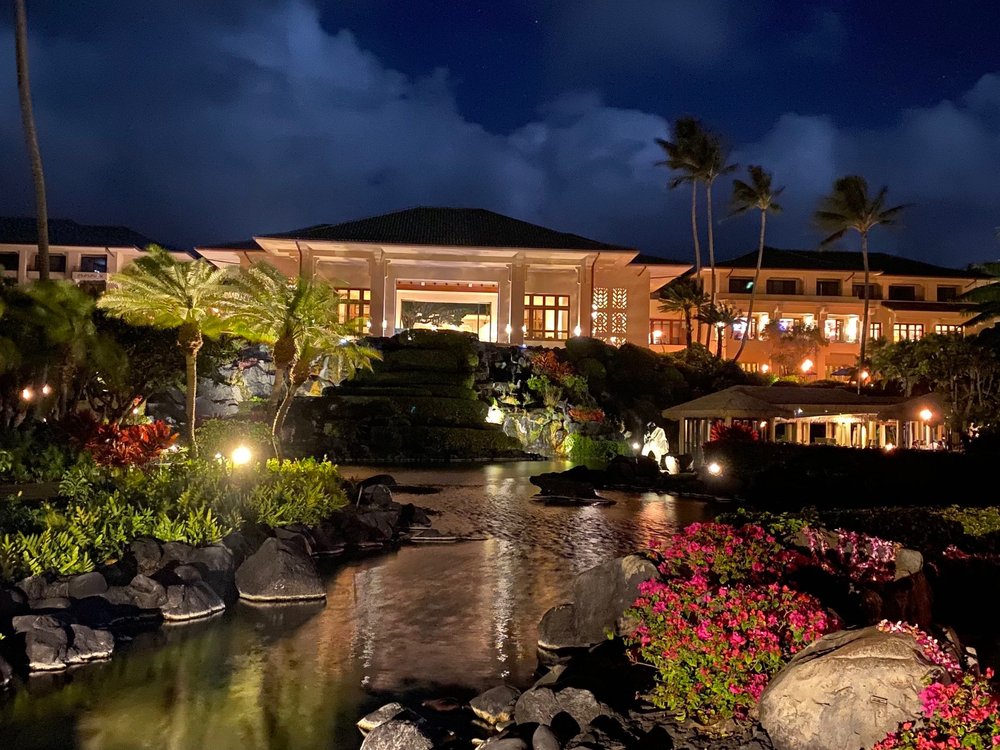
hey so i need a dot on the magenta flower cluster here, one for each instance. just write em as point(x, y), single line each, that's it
point(962, 714)
point(859, 557)
point(929, 646)
point(721, 623)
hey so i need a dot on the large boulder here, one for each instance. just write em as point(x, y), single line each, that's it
point(51, 643)
point(565, 484)
point(601, 596)
point(280, 571)
point(398, 734)
point(496, 705)
point(847, 690)
point(191, 601)
point(541, 705)
point(385, 713)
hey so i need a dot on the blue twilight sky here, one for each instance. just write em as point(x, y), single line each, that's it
point(198, 121)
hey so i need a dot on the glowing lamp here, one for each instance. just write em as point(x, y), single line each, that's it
point(714, 469)
point(926, 414)
point(636, 446)
point(889, 447)
point(577, 330)
point(46, 389)
point(27, 394)
point(508, 329)
point(865, 375)
point(765, 368)
point(241, 456)
point(807, 365)
point(720, 324)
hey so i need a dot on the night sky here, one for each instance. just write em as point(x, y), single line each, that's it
point(195, 121)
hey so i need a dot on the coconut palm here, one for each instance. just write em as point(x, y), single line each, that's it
point(31, 135)
point(681, 153)
point(300, 319)
point(985, 299)
point(161, 292)
point(711, 158)
point(684, 296)
point(850, 207)
point(756, 194)
point(720, 317)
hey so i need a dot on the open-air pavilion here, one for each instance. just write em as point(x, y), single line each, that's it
point(804, 414)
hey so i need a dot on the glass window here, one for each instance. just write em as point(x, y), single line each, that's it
point(740, 326)
point(903, 292)
point(875, 331)
point(782, 286)
point(57, 263)
point(546, 317)
point(740, 285)
point(828, 288)
point(907, 331)
point(833, 329)
point(948, 330)
point(858, 290)
point(8, 261)
point(355, 305)
point(666, 332)
point(947, 293)
point(94, 263)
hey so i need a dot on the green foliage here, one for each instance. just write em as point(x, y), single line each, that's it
point(192, 501)
point(586, 449)
point(974, 521)
point(36, 454)
point(223, 436)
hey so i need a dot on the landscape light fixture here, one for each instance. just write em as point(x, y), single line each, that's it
point(807, 365)
point(926, 414)
point(765, 368)
point(865, 375)
point(27, 394)
point(46, 389)
point(577, 330)
point(714, 468)
point(241, 456)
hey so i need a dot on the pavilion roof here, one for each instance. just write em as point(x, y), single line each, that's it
point(779, 401)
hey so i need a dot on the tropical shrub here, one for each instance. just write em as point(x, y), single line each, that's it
point(963, 714)
point(735, 431)
point(584, 414)
point(721, 623)
point(223, 436)
point(856, 556)
point(113, 444)
point(583, 448)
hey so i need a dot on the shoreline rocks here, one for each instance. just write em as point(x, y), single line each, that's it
point(63, 621)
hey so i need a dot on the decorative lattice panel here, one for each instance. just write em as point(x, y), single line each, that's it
point(619, 323)
point(619, 299)
point(600, 298)
point(599, 327)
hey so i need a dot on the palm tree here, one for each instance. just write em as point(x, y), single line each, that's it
point(31, 135)
point(686, 297)
point(300, 319)
point(314, 346)
point(720, 317)
point(756, 194)
point(985, 299)
point(711, 158)
point(681, 154)
point(850, 207)
point(161, 292)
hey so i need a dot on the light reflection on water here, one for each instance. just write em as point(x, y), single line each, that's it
point(426, 620)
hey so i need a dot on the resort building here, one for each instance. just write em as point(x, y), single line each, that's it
point(474, 270)
point(909, 299)
point(82, 253)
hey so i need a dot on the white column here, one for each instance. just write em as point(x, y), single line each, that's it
point(585, 295)
point(518, 274)
point(376, 282)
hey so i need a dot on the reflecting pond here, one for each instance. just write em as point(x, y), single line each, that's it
point(424, 620)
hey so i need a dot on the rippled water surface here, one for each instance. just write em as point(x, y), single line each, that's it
point(426, 620)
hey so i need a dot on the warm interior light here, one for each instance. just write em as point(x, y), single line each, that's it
point(807, 365)
point(765, 368)
point(27, 394)
point(46, 389)
point(763, 423)
point(889, 447)
point(241, 456)
point(577, 330)
point(636, 446)
point(508, 329)
point(926, 414)
point(714, 469)
point(865, 375)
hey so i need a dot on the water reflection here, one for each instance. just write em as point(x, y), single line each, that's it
point(426, 620)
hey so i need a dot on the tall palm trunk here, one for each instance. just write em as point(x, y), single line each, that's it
point(687, 325)
point(753, 289)
point(190, 341)
point(864, 317)
point(711, 255)
point(297, 376)
point(697, 247)
point(31, 135)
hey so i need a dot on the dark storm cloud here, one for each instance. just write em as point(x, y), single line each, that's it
point(209, 121)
